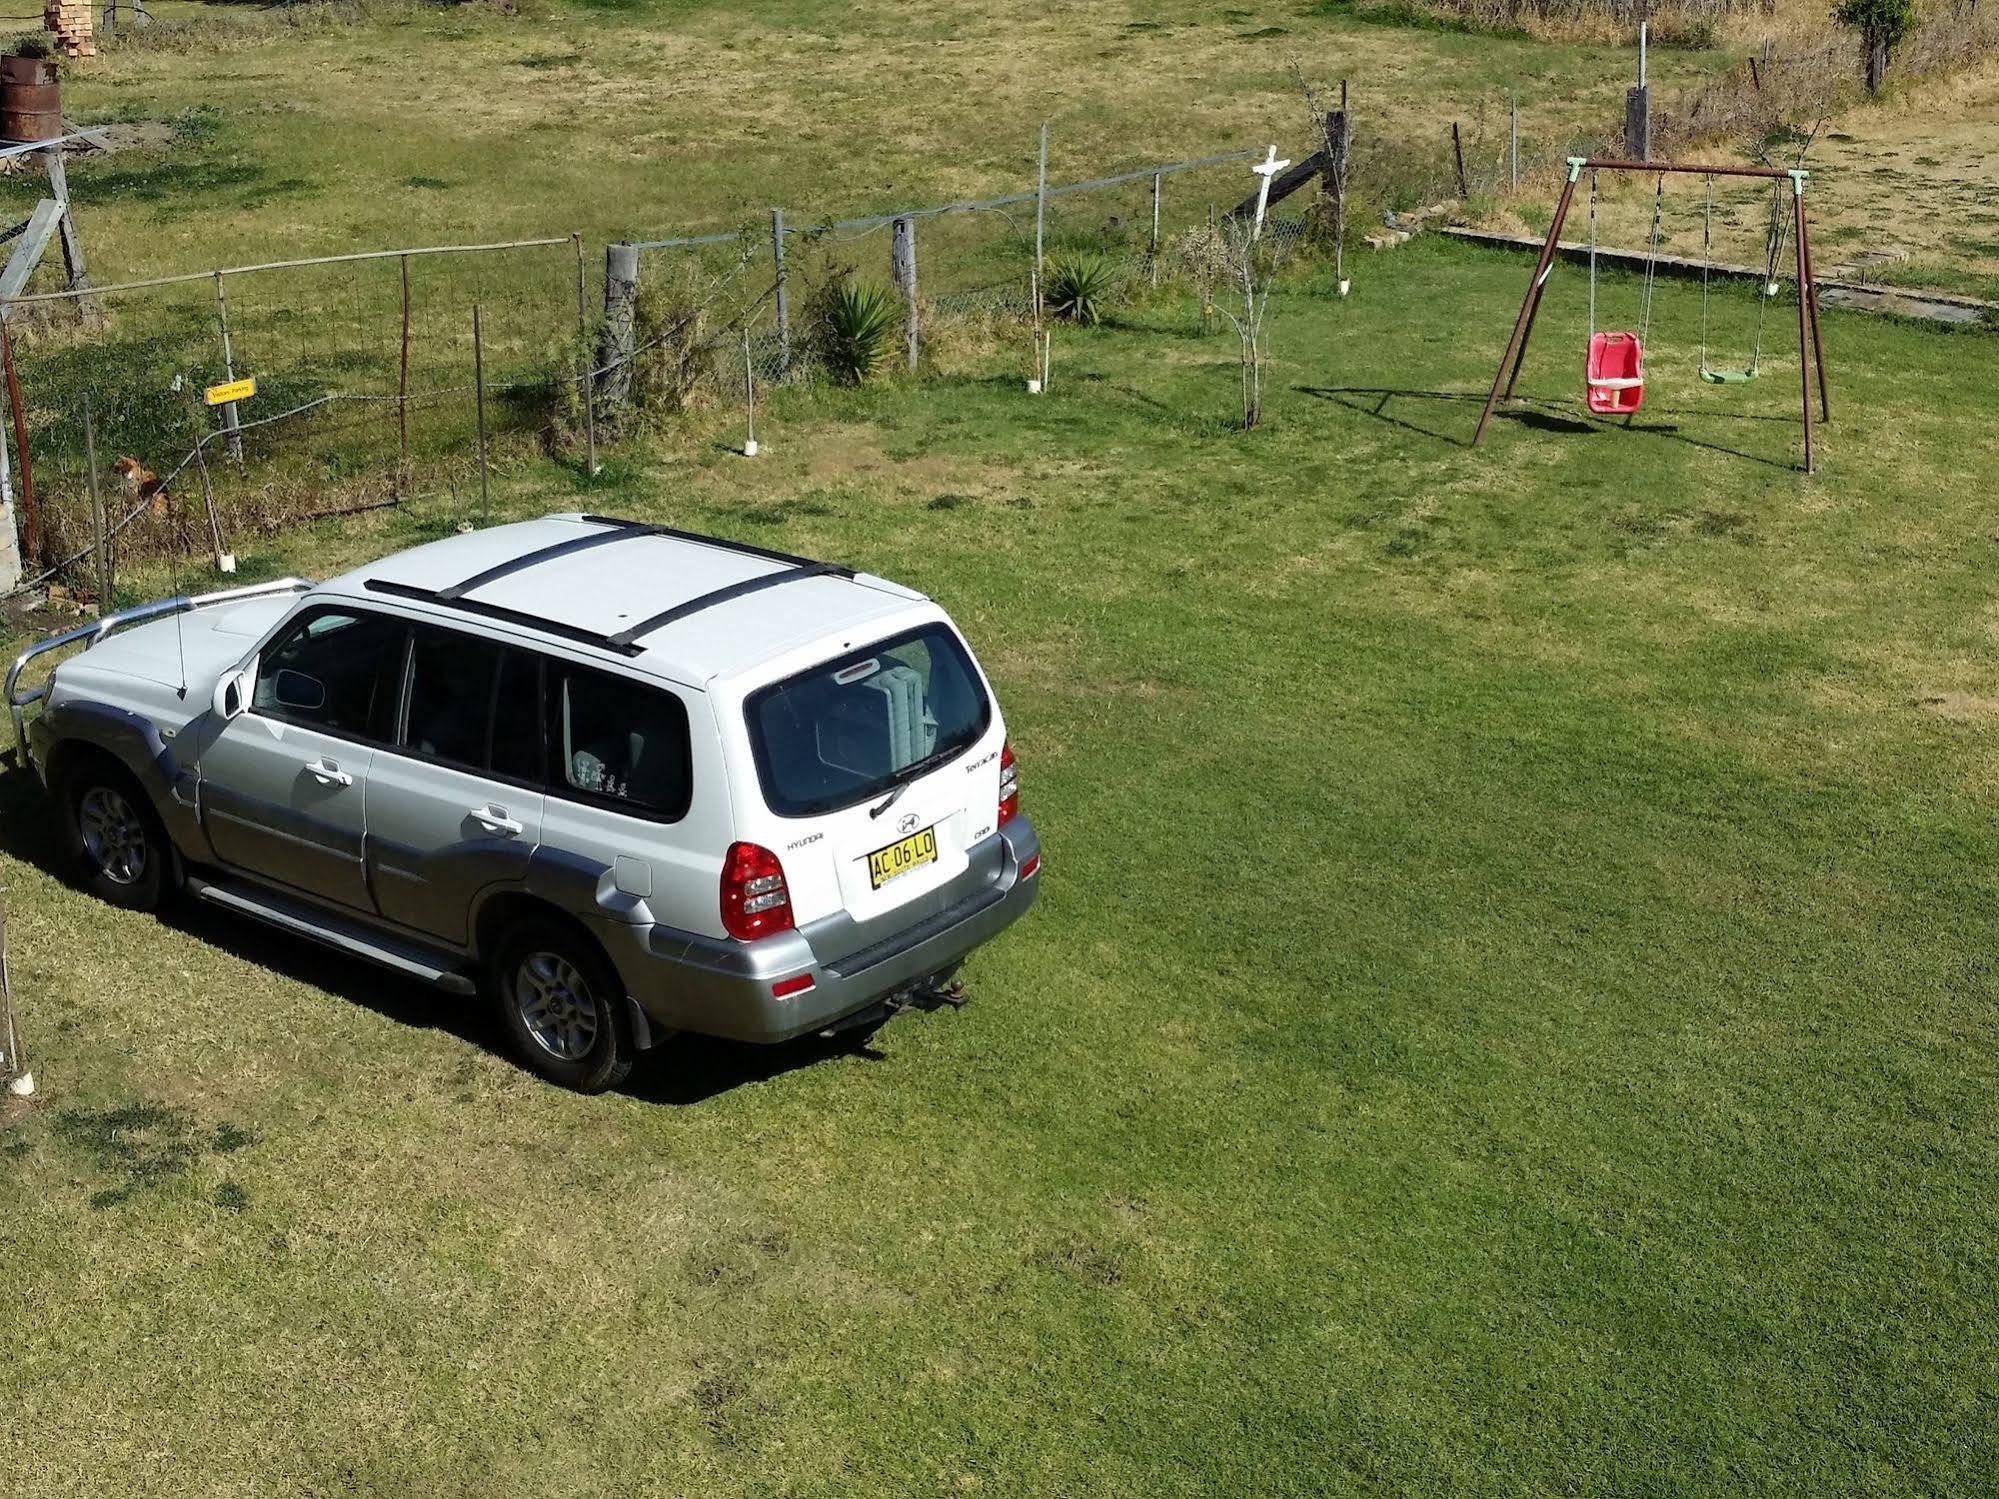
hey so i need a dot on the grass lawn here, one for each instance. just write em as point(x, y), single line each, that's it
point(1511, 1008)
point(649, 118)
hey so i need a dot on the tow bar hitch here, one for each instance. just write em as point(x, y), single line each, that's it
point(922, 997)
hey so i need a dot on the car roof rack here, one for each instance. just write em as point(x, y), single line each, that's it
point(628, 639)
point(794, 569)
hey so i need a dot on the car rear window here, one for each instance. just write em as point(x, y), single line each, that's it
point(856, 727)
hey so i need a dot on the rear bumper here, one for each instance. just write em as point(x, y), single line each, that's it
point(719, 988)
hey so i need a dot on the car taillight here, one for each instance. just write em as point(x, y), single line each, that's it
point(1009, 806)
point(755, 901)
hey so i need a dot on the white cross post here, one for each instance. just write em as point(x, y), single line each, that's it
point(1267, 169)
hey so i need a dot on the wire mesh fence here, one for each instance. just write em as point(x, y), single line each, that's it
point(369, 375)
point(366, 384)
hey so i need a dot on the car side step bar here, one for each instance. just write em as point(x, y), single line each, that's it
point(334, 931)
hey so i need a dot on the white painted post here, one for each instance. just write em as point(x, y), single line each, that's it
point(1153, 258)
point(749, 398)
point(1266, 171)
point(20, 1081)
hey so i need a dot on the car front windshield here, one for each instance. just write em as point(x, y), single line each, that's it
point(857, 727)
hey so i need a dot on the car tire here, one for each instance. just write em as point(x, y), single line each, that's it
point(562, 1006)
point(121, 851)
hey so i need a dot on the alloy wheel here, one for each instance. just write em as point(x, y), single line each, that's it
point(556, 1005)
point(113, 835)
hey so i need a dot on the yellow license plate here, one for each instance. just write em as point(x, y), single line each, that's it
point(884, 864)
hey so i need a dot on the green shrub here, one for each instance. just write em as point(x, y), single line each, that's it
point(1079, 288)
point(855, 325)
point(1883, 22)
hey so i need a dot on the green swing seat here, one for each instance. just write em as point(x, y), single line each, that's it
point(1729, 377)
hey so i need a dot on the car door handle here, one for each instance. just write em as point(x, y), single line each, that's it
point(327, 773)
point(495, 820)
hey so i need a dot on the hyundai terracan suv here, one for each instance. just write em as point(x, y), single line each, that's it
point(635, 780)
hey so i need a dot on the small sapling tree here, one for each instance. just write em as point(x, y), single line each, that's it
point(1234, 268)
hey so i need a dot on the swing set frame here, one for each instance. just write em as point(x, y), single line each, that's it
point(1811, 347)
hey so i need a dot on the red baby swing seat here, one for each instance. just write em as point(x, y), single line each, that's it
point(1616, 373)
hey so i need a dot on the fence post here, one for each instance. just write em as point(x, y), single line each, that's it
point(1458, 155)
point(1158, 188)
point(229, 421)
point(20, 1081)
point(105, 602)
point(479, 387)
point(904, 268)
point(1638, 108)
point(225, 562)
point(402, 393)
point(10, 546)
point(1513, 137)
point(614, 349)
point(31, 531)
point(749, 396)
point(1040, 214)
point(783, 290)
point(585, 380)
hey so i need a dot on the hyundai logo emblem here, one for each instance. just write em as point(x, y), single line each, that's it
point(908, 824)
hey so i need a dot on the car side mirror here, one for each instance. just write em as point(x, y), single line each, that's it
point(230, 694)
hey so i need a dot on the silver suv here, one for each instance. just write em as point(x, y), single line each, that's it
point(637, 780)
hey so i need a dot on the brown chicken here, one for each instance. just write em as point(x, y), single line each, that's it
point(140, 485)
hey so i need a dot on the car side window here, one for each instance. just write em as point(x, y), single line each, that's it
point(618, 743)
point(448, 703)
point(472, 703)
point(517, 719)
point(333, 670)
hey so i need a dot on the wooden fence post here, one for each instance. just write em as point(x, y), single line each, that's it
point(1638, 124)
point(614, 349)
point(1458, 153)
point(1638, 107)
point(32, 545)
point(904, 268)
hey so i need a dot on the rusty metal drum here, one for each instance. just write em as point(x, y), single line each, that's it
point(30, 99)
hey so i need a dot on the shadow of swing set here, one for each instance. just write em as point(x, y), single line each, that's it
point(1614, 364)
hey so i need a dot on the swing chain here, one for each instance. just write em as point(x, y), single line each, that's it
point(1592, 256)
point(1652, 259)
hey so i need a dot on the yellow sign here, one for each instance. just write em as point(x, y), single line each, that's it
point(235, 390)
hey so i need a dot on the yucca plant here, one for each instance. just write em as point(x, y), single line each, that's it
point(856, 324)
point(1079, 288)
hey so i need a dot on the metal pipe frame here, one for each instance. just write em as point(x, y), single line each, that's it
point(19, 702)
